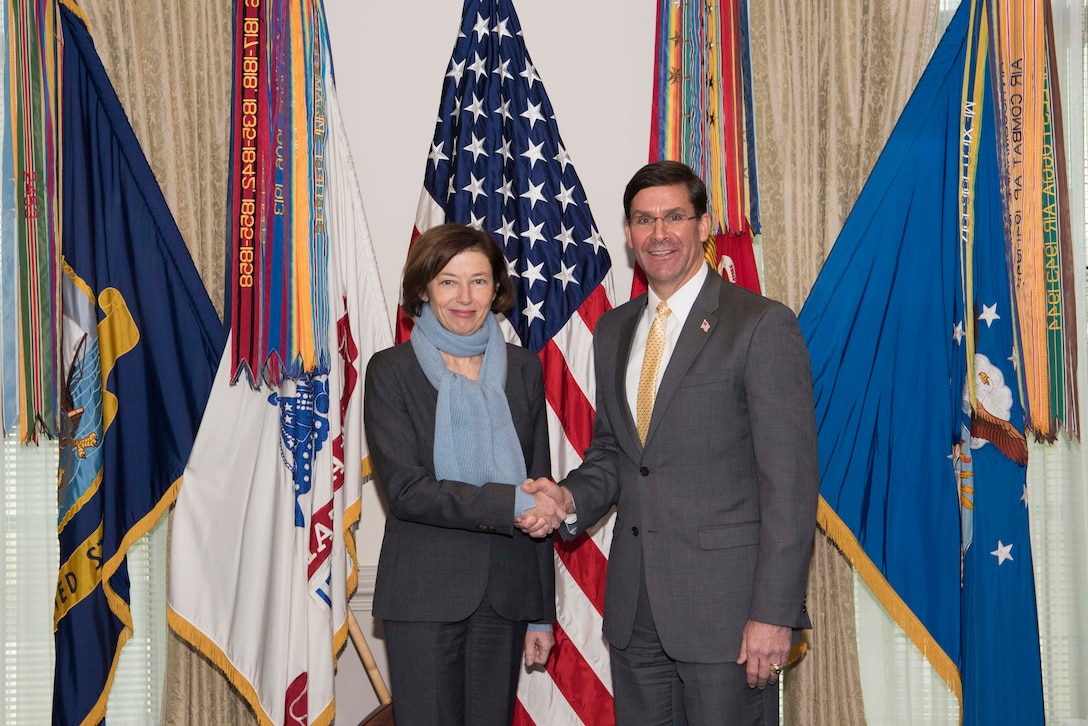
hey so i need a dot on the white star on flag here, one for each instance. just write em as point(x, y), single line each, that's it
point(566, 275)
point(989, 314)
point(436, 154)
point(533, 154)
point(562, 158)
point(565, 237)
point(565, 197)
point(456, 71)
point(506, 231)
point(533, 234)
point(532, 310)
point(475, 187)
point(479, 67)
point(533, 115)
point(1003, 552)
point(476, 148)
point(501, 31)
point(529, 74)
point(532, 274)
point(482, 27)
point(505, 190)
point(533, 194)
point(476, 108)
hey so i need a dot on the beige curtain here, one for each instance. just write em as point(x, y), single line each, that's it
point(170, 64)
point(830, 80)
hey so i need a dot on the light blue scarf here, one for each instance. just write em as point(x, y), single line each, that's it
point(474, 436)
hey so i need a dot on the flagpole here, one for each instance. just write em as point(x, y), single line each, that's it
point(372, 671)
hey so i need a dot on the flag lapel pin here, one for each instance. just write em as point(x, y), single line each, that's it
point(705, 326)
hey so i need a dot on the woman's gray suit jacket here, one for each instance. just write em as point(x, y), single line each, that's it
point(446, 542)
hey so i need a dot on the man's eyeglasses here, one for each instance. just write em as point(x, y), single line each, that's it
point(671, 221)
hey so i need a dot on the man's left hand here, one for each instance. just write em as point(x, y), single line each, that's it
point(765, 649)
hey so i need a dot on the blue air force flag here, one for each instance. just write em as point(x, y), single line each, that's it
point(922, 452)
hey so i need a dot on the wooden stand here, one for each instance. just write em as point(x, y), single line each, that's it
point(383, 714)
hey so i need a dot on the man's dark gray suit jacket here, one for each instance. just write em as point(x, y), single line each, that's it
point(447, 543)
point(719, 508)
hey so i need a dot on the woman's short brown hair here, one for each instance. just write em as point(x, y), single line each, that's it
point(433, 250)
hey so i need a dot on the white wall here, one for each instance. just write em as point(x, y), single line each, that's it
point(595, 58)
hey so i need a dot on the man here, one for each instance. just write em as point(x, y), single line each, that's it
point(715, 483)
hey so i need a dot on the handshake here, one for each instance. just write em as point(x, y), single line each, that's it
point(553, 504)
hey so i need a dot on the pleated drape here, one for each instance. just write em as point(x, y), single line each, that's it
point(830, 80)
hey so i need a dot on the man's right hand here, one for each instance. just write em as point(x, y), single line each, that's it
point(553, 504)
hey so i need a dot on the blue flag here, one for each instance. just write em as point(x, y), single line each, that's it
point(922, 451)
point(139, 349)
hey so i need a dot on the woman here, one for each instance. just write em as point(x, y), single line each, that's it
point(456, 423)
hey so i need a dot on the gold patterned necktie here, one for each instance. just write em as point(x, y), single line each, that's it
point(647, 380)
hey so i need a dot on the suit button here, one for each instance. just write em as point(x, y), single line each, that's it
point(634, 531)
point(644, 471)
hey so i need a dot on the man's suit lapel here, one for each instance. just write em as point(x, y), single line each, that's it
point(623, 356)
point(691, 341)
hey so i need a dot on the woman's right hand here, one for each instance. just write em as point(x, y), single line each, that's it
point(550, 510)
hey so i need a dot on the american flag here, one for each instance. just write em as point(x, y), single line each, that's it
point(497, 163)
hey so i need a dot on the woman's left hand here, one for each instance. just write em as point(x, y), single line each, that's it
point(538, 646)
